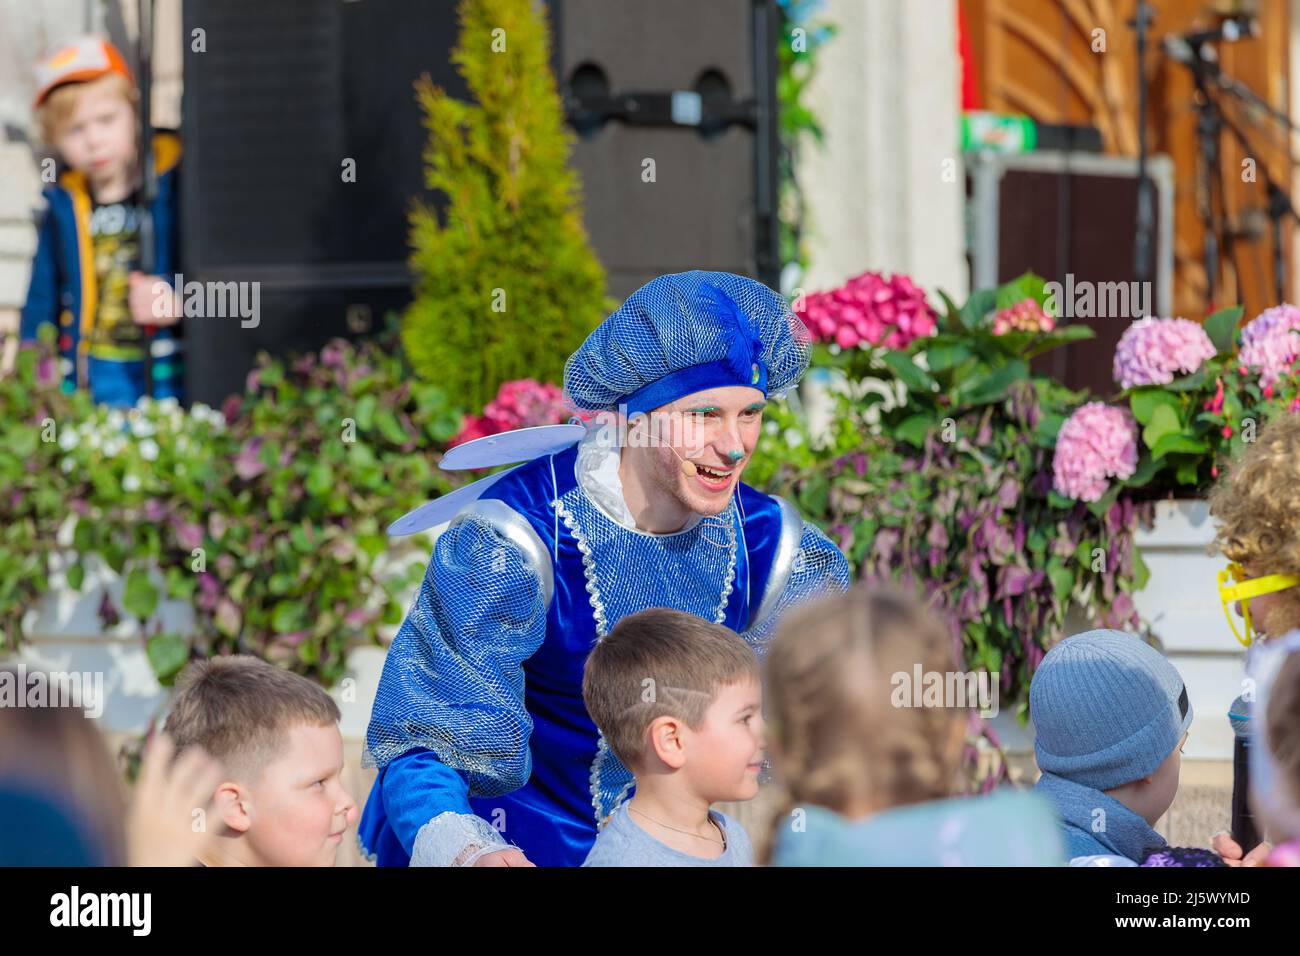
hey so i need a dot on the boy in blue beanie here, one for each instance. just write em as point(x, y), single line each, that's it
point(1110, 715)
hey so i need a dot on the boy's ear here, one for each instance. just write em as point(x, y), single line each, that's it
point(666, 743)
point(231, 803)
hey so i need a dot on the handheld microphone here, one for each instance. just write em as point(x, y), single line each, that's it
point(1243, 819)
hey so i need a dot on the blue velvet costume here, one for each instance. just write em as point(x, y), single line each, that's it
point(479, 727)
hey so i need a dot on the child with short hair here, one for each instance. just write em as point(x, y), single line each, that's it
point(85, 283)
point(282, 801)
point(677, 699)
point(1110, 717)
point(870, 776)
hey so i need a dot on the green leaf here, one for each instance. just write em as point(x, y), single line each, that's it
point(1147, 468)
point(1189, 383)
point(1178, 443)
point(1145, 401)
point(909, 373)
point(288, 616)
point(914, 429)
point(1104, 503)
point(1048, 427)
point(1164, 421)
point(951, 318)
point(390, 428)
point(1061, 577)
point(1062, 335)
point(815, 495)
point(1141, 573)
point(139, 597)
point(1027, 286)
point(76, 575)
point(942, 356)
point(1221, 327)
point(1059, 501)
point(980, 304)
point(1187, 473)
point(320, 480)
point(990, 387)
point(167, 654)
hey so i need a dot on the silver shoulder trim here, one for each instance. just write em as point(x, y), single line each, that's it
point(516, 529)
point(783, 561)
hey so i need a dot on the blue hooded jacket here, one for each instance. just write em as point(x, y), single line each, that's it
point(63, 286)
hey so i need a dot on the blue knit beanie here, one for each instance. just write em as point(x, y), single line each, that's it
point(1107, 709)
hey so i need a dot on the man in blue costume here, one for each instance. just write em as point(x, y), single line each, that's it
point(485, 750)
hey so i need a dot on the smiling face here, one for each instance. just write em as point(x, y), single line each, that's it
point(715, 431)
point(725, 753)
point(297, 810)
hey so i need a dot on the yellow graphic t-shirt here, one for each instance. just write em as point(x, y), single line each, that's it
point(115, 241)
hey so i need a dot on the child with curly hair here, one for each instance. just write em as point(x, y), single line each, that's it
point(1257, 509)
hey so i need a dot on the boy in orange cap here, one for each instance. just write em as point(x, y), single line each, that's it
point(85, 277)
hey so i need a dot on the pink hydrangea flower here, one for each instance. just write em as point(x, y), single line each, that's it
point(1097, 442)
point(522, 403)
point(871, 309)
point(1025, 316)
point(1151, 351)
point(1271, 343)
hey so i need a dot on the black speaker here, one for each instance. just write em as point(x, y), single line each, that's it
point(277, 98)
point(690, 87)
point(281, 94)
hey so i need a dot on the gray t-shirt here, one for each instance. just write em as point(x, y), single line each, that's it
point(623, 843)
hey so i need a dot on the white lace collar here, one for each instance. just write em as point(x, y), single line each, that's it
point(597, 472)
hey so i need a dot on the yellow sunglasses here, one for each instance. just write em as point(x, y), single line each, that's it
point(1243, 590)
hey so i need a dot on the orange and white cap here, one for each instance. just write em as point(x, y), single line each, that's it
point(75, 61)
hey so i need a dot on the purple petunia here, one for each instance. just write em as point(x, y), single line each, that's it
point(1151, 351)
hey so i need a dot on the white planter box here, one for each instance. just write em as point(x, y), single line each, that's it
point(1181, 602)
point(64, 633)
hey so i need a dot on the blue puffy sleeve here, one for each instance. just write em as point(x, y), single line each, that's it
point(449, 720)
point(811, 565)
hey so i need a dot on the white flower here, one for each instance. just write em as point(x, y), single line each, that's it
point(169, 403)
point(793, 438)
point(67, 465)
point(113, 445)
point(131, 483)
point(142, 428)
point(771, 427)
point(68, 439)
point(116, 419)
point(149, 450)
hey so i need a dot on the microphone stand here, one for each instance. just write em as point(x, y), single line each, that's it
point(1279, 203)
point(1207, 137)
point(1141, 22)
